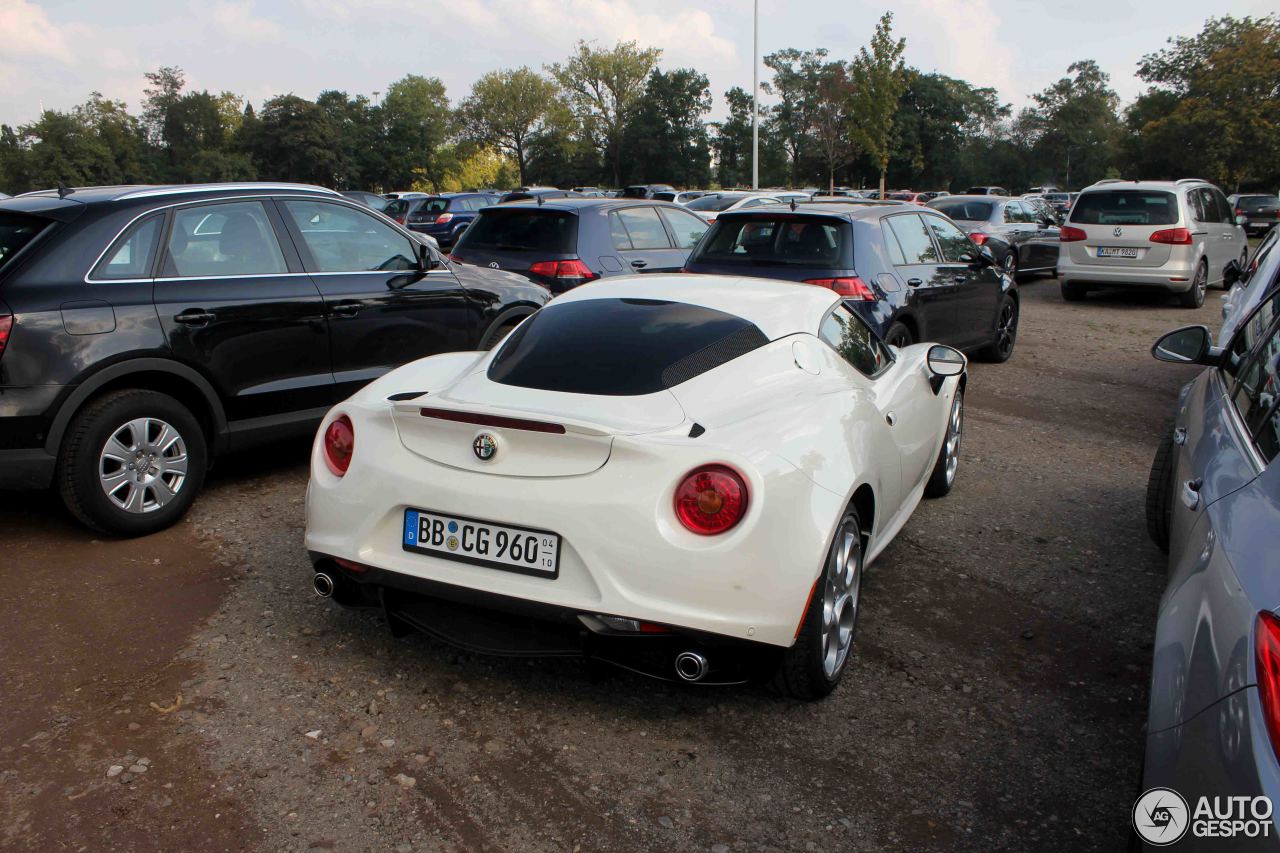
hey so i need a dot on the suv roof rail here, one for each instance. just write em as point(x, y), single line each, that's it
point(232, 186)
point(1110, 181)
point(1191, 181)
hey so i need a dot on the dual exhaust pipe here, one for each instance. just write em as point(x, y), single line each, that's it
point(692, 666)
point(323, 584)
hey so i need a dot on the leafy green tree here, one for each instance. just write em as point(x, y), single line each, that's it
point(605, 88)
point(878, 77)
point(830, 119)
point(563, 153)
point(360, 149)
point(166, 87)
point(666, 138)
point(63, 148)
point(732, 143)
point(1076, 127)
point(293, 140)
point(937, 118)
point(1226, 81)
point(506, 110)
point(795, 84)
point(418, 122)
point(13, 162)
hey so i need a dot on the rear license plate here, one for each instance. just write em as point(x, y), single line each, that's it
point(1116, 252)
point(482, 543)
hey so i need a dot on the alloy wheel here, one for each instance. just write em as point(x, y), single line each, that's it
point(840, 591)
point(1201, 283)
point(143, 465)
point(1007, 330)
point(1010, 264)
point(955, 432)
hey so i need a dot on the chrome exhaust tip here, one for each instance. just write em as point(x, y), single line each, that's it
point(691, 666)
point(322, 583)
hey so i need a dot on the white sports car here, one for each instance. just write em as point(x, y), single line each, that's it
point(682, 475)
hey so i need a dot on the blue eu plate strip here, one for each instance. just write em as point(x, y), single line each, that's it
point(411, 527)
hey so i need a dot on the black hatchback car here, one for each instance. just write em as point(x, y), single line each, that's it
point(911, 273)
point(145, 330)
point(567, 242)
point(1021, 235)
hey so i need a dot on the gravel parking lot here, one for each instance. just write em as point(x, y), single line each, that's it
point(997, 698)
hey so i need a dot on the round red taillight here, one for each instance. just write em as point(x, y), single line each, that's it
point(339, 444)
point(711, 499)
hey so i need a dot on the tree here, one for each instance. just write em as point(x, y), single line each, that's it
point(506, 109)
point(1226, 81)
point(360, 150)
point(829, 118)
point(795, 84)
point(604, 87)
point(937, 118)
point(1076, 127)
point(878, 78)
point(293, 140)
point(166, 87)
point(733, 140)
point(666, 138)
point(418, 122)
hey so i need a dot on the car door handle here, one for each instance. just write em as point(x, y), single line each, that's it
point(1191, 493)
point(914, 282)
point(345, 309)
point(1180, 436)
point(639, 264)
point(959, 279)
point(194, 317)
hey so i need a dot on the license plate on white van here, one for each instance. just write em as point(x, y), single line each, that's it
point(1116, 252)
point(482, 543)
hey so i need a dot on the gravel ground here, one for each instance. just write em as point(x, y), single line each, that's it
point(996, 701)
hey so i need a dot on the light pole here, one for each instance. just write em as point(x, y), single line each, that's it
point(755, 96)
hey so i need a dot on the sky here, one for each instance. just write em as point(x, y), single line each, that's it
point(57, 51)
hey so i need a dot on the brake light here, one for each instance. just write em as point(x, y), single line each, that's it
point(711, 220)
point(351, 565)
point(1266, 648)
point(711, 500)
point(1172, 237)
point(1071, 235)
point(572, 269)
point(1239, 211)
point(979, 237)
point(443, 218)
point(339, 445)
point(6, 327)
point(850, 287)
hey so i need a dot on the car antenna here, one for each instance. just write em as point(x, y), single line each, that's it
point(64, 190)
point(539, 201)
point(793, 205)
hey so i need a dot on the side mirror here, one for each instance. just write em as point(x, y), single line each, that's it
point(1188, 345)
point(945, 360)
point(1231, 273)
point(1242, 220)
point(427, 260)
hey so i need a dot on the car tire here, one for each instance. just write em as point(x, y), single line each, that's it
point(1010, 264)
point(1006, 336)
point(816, 661)
point(1072, 292)
point(1194, 296)
point(898, 335)
point(132, 421)
point(1160, 490)
point(947, 464)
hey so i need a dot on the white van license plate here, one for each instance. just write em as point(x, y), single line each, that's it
point(482, 543)
point(1116, 252)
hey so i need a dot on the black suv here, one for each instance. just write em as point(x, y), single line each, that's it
point(144, 330)
point(570, 241)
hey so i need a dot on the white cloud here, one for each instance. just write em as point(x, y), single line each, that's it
point(26, 31)
point(960, 38)
point(238, 21)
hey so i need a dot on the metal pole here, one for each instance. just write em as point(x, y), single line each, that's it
point(755, 97)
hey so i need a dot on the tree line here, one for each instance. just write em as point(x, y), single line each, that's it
point(609, 116)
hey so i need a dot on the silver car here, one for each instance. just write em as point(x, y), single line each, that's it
point(1253, 284)
point(1213, 501)
point(1176, 236)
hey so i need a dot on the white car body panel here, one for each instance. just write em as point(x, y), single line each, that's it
point(802, 427)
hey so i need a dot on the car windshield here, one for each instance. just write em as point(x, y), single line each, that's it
point(1056, 198)
point(16, 231)
point(965, 211)
point(521, 230)
point(620, 347)
point(715, 201)
point(788, 240)
point(1126, 207)
point(1257, 202)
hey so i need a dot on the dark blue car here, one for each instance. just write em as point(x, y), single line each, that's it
point(911, 273)
point(443, 216)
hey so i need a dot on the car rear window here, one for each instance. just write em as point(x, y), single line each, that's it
point(715, 201)
point(620, 347)
point(522, 230)
point(791, 240)
point(664, 196)
point(1257, 202)
point(16, 231)
point(1056, 198)
point(397, 209)
point(969, 211)
point(1126, 207)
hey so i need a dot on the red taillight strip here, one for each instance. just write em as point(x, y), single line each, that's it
point(492, 420)
point(1266, 649)
point(6, 327)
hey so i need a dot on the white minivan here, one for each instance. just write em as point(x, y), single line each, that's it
point(1177, 236)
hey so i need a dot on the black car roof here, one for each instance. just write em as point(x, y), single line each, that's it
point(845, 210)
point(574, 205)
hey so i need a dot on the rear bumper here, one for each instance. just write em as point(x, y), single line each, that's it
point(26, 469)
point(1161, 278)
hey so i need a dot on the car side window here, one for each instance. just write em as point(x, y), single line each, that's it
point(133, 253)
point(1201, 210)
point(1249, 333)
point(343, 239)
point(644, 227)
point(618, 231)
point(954, 243)
point(1257, 395)
point(1013, 212)
point(845, 333)
point(913, 237)
point(1225, 214)
point(215, 240)
point(687, 227)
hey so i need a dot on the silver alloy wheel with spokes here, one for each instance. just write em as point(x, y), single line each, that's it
point(1011, 263)
point(143, 465)
point(840, 589)
point(1201, 283)
point(955, 431)
point(1007, 331)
